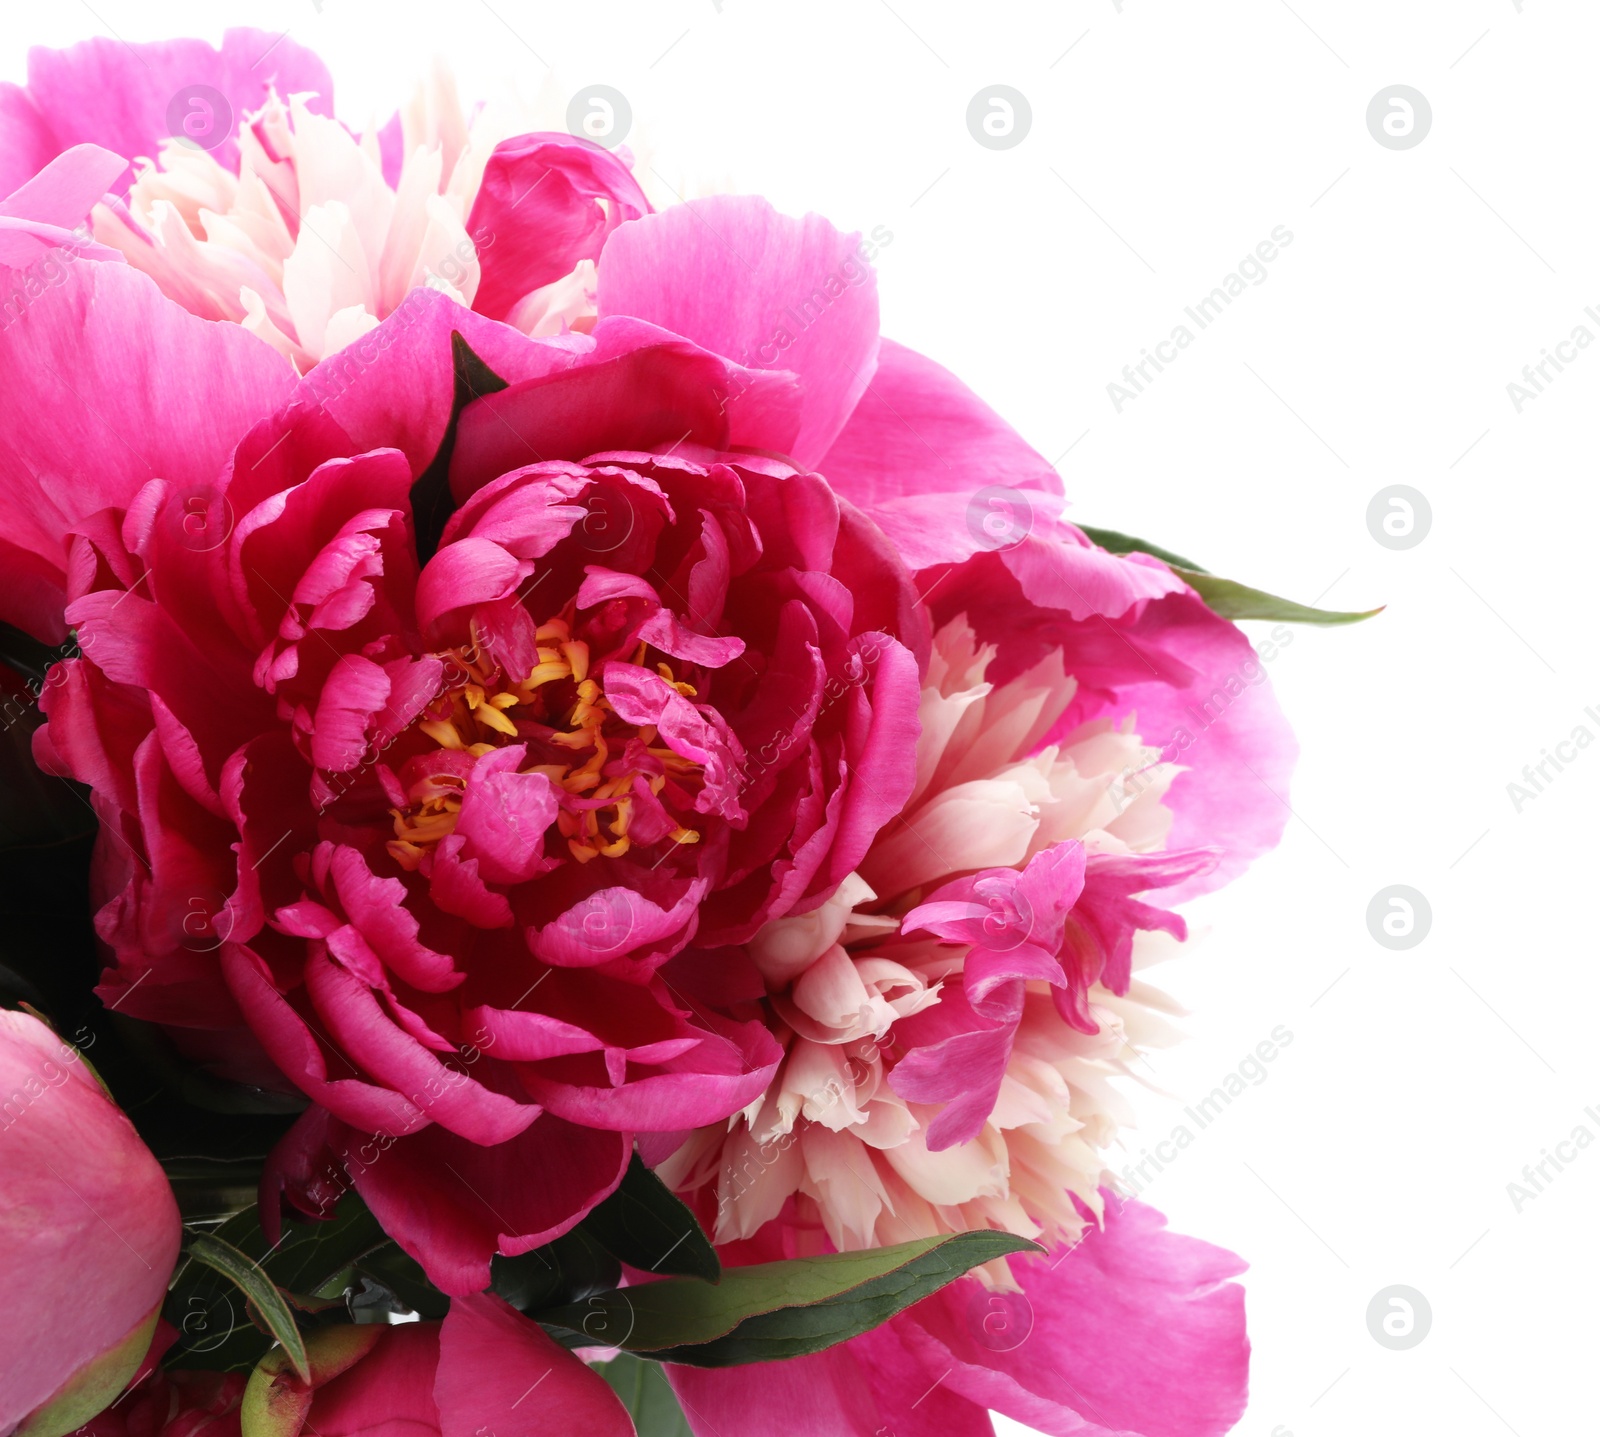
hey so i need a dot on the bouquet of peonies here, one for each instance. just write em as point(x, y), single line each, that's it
point(593, 818)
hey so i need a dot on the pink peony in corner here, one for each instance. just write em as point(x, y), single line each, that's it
point(89, 1232)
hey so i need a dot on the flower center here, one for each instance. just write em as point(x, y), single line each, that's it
point(604, 767)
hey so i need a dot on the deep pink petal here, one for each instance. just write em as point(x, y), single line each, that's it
point(108, 384)
point(641, 400)
point(352, 1017)
point(492, 1358)
point(1055, 565)
point(736, 277)
point(124, 97)
point(825, 1393)
point(45, 213)
point(729, 1068)
point(505, 815)
point(83, 1207)
point(881, 730)
point(289, 1041)
point(1134, 1330)
point(388, 1393)
point(538, 213)
point(869, 1387)
point(1221, 724)
point(919, 430)
point(453, 1204)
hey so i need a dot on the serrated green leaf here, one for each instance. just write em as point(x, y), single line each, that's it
point(249, 1277)
point(778, 1309)
point(646, 1225)
point(648, 1396)
point(1226, 597)
point(431, 500)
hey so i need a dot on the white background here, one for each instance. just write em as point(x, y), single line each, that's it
point(1168, 139)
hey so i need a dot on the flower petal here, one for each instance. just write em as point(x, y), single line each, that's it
point(736, 277)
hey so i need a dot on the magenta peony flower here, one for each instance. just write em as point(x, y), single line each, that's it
point(89, 1229)
point(434, 849)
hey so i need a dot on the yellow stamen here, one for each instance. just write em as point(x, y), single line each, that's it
point(491, 717)
point(476, 721)
point(442, 733)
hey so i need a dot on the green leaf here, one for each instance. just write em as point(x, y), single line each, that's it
point(1225, 597)
point(779, 1309)
point(565, 1271)
point(431, 500)
point(646, 1226)
point(248, 1276)
point(1115, 543)
point(214, 1329)
point(1238, 601)
point(648, 1396)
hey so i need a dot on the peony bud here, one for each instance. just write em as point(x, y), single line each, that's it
point(89, 1233)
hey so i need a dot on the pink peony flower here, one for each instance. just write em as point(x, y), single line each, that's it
point(89, 1229)
point(424, 836)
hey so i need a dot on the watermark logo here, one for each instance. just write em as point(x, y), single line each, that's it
point(1399, 517)
point(999, 518)
point(1399, 917)
point(1399, 1317)
point(1001, 1321)
point(600, 113)
point(1399, 117)
point(999, 117)
point(200, 117)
